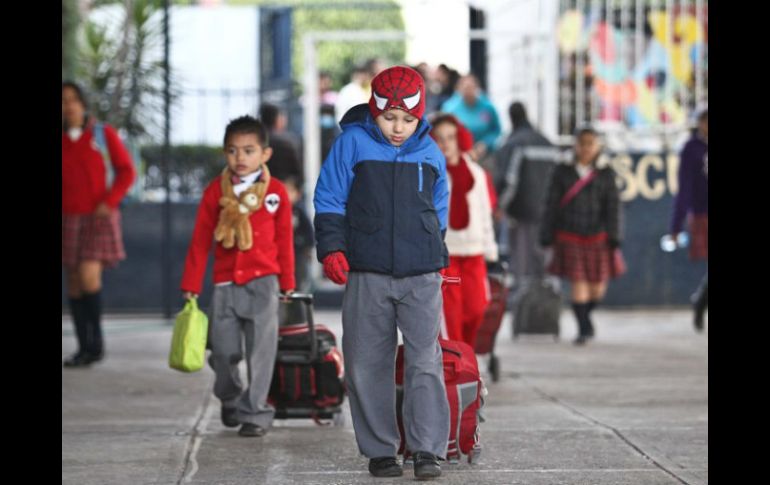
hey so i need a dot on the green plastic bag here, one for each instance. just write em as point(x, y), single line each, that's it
point(188, 342)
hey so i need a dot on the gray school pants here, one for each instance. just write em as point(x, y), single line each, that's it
point(374, 307)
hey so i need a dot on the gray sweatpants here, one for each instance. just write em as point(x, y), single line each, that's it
point(373, 308)
point(250, 310)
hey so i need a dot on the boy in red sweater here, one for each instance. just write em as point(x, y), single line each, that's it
point(249, 215)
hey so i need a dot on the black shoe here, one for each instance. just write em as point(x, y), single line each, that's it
point(249, 429)
point(79, 359)
point(426, 465)
point(229, 417)
point(700, 309)
point(698, 321)
point(581, 340)
point(385, 466)
point(700, 301)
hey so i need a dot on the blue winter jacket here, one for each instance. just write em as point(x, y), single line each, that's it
point(385, 207)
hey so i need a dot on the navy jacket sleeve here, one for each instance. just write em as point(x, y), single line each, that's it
point(331, 195)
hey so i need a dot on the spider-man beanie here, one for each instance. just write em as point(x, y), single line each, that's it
point(398, 87)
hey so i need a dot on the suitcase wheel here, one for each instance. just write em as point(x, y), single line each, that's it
point(339, 419)
point(474, 455)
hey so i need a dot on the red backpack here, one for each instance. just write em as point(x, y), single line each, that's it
point(465, 393)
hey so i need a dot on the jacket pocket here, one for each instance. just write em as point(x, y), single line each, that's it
point(363, 237)
point(430, 222)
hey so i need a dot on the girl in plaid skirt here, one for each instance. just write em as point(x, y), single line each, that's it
point(581, 228)
point(91, 235)
point(692, 203)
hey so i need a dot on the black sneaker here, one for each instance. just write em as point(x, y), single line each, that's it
point(700, 309)
point(426, 465)
point(79, 359)
point(229, 417)
point(581, 340)
point(698, 323)
point(385, 466)
point(699, 302)
point(250, 430)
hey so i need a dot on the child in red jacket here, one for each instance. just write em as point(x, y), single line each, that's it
point(470, 238)
point(248, 213)
point(91, 234)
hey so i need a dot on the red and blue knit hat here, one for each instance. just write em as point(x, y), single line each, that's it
point(398, 87)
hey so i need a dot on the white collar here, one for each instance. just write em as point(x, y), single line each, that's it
point(583, 170)
point(74, 133)
point(246, 182)
point(250, 178)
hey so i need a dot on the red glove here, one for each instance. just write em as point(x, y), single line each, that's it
point(336, 267)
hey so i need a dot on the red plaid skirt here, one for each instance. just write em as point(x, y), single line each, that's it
point(699, 236)
point(87, 237)
point(585, 258)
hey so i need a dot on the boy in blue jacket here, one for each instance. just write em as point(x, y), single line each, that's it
point(381, 213)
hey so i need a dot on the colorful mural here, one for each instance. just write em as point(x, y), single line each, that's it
point(654, 88)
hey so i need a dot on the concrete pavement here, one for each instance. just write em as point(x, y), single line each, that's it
point(629, 408)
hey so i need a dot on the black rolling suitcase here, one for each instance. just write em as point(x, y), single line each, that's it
point(308, 379)
point(537, 307)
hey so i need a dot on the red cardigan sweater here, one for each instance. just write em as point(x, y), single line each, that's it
point(271, 253)
point(84, 174)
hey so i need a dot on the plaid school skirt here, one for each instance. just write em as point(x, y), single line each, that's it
point(699, 236)
point(585, 258)
point(87, 237)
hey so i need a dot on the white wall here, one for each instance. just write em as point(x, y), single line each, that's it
point(211, 48)
point(438, 32)
point(523, 59)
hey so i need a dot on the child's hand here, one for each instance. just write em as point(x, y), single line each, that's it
point(102, 210)
point(336, 267)
point(188, 295)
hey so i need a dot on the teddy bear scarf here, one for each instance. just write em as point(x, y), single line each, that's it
point(234, 224)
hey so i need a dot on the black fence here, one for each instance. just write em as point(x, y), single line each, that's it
point(654, 278)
